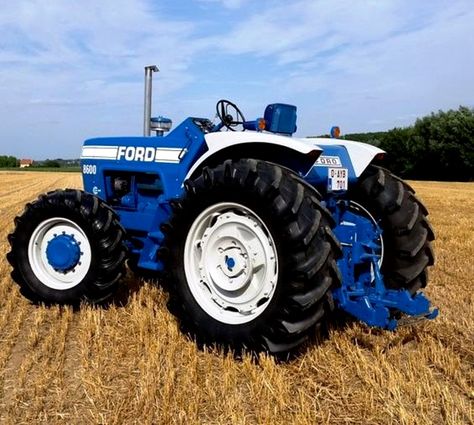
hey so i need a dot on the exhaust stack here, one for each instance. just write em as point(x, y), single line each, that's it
point(149, 70)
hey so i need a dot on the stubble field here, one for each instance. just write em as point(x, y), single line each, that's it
point(129, 363)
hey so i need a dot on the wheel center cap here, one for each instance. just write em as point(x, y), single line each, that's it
point(63, 252)
point(233, 262)
point(230, 262)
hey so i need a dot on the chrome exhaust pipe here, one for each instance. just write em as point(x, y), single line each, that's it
point(149, 70)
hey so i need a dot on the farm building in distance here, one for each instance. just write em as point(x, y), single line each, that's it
point(26, 163)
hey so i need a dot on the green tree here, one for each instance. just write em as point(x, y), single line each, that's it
point(373, 138)
point(8, 161)
point(51, 163)
point(439, 146)
point(447, 140)
point(401, 151)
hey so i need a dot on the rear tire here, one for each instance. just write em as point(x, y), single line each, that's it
point(274, 214)
point(79, 224)
point(407, 233)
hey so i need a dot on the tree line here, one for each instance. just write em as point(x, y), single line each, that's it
point(439, 146)
point(8, 161)
point(12, 162)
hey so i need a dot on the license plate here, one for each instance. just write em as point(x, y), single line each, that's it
point(337, 179)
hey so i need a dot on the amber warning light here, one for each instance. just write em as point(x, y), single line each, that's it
point(335, 132)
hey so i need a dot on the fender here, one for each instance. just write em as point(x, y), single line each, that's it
point(296, 154)
point(360, 154)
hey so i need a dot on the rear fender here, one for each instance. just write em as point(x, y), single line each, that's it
point(360, 154)
point(297, 155)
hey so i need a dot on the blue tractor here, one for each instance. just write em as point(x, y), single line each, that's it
point(261, 237)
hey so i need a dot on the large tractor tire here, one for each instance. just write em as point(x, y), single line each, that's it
point(67, 246)
point(406, 231)
point(251, 258)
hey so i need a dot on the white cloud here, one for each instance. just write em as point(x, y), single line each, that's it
point(89, 40)
point(318, 25)
point(229, 4)
point(362, 63)
point(69, 70)
point(75, 63)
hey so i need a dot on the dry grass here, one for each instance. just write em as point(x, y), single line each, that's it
point(132, 365)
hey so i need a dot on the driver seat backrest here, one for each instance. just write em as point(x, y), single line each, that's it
point(280, 118)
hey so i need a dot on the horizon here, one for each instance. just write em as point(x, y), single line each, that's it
point(309, 136)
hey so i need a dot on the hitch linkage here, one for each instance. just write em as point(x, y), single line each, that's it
point(364, 295)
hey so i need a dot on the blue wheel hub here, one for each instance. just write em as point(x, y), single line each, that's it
point(63, 252)
point(230, 262)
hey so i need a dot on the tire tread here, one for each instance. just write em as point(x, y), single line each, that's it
point(305, 225)
point(103, 224)
point(407, 231)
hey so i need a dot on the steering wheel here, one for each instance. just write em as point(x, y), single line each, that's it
point(229, 114)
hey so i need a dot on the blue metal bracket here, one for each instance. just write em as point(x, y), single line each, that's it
point(363, 293)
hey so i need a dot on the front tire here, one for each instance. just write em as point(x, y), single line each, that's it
point(67, 246)
point(251, 257)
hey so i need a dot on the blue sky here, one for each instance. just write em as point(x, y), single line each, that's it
point(74, 70)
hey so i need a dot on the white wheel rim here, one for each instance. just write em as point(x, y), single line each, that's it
point(231, 263)
point(42, 269)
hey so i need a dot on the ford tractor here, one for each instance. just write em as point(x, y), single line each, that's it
point(260, 237)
